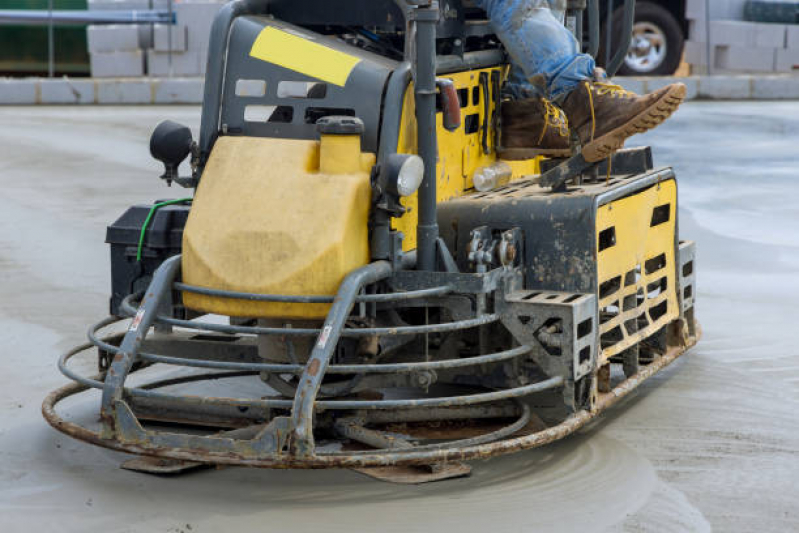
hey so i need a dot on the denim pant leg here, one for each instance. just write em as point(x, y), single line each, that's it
point(519, 87)
point(545, 51)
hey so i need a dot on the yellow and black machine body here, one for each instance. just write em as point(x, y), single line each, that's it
point(359, 279)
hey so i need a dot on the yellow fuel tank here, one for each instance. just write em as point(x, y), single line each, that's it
point(266, 220)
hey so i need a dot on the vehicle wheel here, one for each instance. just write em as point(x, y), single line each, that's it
point(657, 41)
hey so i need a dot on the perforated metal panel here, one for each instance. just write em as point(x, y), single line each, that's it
point(636, 266)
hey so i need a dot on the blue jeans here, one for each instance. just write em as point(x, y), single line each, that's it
point(545, 56)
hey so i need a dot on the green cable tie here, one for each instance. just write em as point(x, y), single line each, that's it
point(153, 209)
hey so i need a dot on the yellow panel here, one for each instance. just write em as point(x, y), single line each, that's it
point(636, 242)
point(304, 56)
point(265, 220)
point(459, 154)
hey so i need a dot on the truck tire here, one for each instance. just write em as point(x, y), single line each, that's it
point(657, 42)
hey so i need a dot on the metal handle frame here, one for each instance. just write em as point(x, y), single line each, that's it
point(626, 34)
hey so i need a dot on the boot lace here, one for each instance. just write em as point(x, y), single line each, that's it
point(605, 88)
point(555, 117)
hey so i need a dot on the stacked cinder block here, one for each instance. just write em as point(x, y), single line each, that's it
point(738, 45)
point(178, 49)
point(788, 58)
point(189, 38)
point(117, 50)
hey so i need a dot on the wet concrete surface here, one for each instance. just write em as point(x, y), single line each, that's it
point(712, 443)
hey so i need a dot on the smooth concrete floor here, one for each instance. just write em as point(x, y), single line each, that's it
point(710, 444)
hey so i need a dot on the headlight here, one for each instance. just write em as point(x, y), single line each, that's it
point(405, 173)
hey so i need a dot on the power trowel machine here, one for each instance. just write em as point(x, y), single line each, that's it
point(359, 280)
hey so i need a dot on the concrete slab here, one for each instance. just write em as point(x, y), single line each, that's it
point(188, 63)
point(197, 16)
point(725, 87)
point(746, 58)
point(112, 38)
point(741, 33)
point(775, 88)
point(691, 84)
point(117, 5)
point(127, 63)
point(67, 91)
point(787, 60)
point(719, 9)
point(696, 53)
point(19, 91)
point(169, 37)
point(636, 85)
point(130, 91)
point(792, 37)
point(710, 445)
point(178, 91)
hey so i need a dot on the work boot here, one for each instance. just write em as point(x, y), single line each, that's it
point(604, 115)
point(533, 127)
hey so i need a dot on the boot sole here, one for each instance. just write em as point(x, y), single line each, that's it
point(522, 154)
point(647, 119)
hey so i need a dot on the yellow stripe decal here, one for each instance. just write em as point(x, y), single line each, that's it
point(303, 56)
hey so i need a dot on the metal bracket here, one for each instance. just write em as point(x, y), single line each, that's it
point(557, 176)
point(561, 326)
point(687, 286)
point(481, 249)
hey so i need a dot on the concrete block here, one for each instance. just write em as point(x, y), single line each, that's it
point(775, 87)
point(145, 30)
point(769, 35)
point(183, 64)
point(161, 38)
point(124, 92)
point(636, 85)
point(725, 87)
point(744, 58)
point(66, 91)
point(164, 4)
point(696, 53)
point(787, 60)
point(697, 31)
point(117, 64)
point(740, 33)
point(792, 37)
point(118, 5)
point(179, 91)
point(719, 9)
point(112, 38)
point(197, 17)
point(146, 36)
point(730, 32)
point(691, 84)
point(18, 91)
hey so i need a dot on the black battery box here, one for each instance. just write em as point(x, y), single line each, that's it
point(162, 239)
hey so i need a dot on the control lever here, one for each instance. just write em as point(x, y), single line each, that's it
point(449, 103)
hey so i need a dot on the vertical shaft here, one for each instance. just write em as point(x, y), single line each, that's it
point(426, 18)
point(50, 41)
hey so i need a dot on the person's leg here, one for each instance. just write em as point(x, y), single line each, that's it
point(531, 125)
point(539, 44)
point(518, 87)
point(602, 114)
